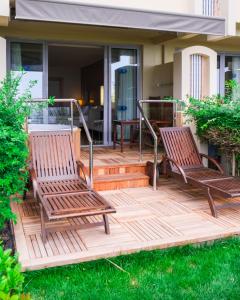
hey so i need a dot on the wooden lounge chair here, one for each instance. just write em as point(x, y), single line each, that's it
point(61, 192)
point(186, 162)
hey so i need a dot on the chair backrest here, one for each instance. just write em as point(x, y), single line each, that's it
point(53, 155)
point(180, 146)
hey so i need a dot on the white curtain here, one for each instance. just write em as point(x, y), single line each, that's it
point(126, 92)
point(124, 86)
point(16, 59)
point(196, 76)
point(236, 73)
point(208, 7)
point(17, 52)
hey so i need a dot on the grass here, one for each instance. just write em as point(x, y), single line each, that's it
point(203, 272)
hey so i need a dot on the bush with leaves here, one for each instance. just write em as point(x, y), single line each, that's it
point(218, 118)
point(11, 278)
point(14, 110)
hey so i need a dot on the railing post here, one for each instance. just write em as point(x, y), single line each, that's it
point(71, 103)
point(140, 135)
point(155, 165)
point(145, 119)
point(91, 163)
point(81, 118)
point(142, 116)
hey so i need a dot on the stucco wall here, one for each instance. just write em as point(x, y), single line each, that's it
point(4, 12)
point(151, 58)
point(3, 58)
point(182, 78)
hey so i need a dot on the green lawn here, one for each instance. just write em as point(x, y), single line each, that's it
point(204, 272)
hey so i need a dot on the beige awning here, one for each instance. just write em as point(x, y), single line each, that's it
point(77, 13)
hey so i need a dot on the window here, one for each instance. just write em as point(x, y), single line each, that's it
point(229, 68)
point(26, 56)
point(232, 68)
point(210, 7)
point(196, 76)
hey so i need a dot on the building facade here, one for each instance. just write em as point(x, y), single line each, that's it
point(108, 54)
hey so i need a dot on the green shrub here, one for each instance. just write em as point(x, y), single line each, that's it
point(11, 278)
point(218, 118)
point(14, 110)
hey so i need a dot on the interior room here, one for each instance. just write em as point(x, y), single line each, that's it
point(163, 89)
point(77, 72)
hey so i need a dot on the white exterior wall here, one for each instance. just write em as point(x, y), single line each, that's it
point(4, 12)
point(182, 78)
point(230, 9)
point(151, 58)
point(3, 58)
point(182, 70)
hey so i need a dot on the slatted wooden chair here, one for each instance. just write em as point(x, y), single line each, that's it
point(61, 192)
point(186, 162)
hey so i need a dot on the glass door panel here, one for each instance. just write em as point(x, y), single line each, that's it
point(232, 69)
point(124, 74)
point(28, 57)
point(77, 72)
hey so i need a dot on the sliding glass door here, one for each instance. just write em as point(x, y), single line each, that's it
point(124, 85)
point(28, 58)
point(105, 81)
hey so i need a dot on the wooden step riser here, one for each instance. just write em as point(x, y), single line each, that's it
point(110, 170)
point(121, 184)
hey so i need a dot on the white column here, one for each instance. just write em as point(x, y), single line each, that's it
point(4, 12)
point(3, 58)
point(182, 78)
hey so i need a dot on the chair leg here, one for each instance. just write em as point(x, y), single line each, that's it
point(24, 195)
point(106, 224)
point(43, 227)
point(165, 170)
point(212, 204)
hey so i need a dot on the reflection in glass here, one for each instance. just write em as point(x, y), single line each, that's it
point(124, 85)
point(26, 56)
point(232, 68)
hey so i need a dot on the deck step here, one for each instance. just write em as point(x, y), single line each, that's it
point(119, 169)
point(120, 181)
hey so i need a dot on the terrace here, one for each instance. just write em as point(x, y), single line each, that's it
point(174, 214)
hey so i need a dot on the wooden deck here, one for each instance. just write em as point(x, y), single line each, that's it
point(145, 219)
point(114, 169)
point(108, 156)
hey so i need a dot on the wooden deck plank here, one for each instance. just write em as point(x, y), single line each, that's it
point(145, 220)
point(107, 156)
point(20, 238)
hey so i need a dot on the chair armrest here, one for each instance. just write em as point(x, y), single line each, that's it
point(180, 169)
point(33, 174)
point(213, 161)
point(82, 168)
point(34, 182)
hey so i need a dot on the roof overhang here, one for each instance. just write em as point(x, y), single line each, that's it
point(79, 13)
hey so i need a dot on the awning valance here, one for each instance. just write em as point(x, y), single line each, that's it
point(78, 13)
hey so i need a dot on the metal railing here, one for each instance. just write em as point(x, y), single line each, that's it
point(143, 117)
point(81, 120)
